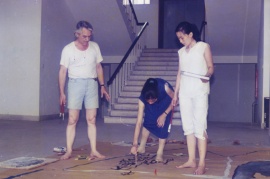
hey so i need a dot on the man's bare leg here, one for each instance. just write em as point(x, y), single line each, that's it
point(71, 131)
point(202, 147)
point(92, 133)
point(145, 135)
point(191, 144)
point(161, 145)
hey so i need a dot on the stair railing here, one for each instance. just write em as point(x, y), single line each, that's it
point(202, 30)
point(120, 76)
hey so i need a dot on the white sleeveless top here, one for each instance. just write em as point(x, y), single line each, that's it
point(193, 62)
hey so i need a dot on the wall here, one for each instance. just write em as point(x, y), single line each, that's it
point(232, 93)
point(19, 58)
point(57, 29)
point(149, 13)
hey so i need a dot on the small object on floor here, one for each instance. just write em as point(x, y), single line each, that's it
point(127, 173)
point(122, 143)
point(155, 172)
point(81, 157)
point(26, 162)
point(60, 149)
point(236, 142)
point(178, 154)
point(149, 140)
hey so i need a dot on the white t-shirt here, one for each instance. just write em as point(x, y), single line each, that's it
point(81, 64)
point(193, 62)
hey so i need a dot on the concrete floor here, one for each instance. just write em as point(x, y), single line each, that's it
point(37, 139)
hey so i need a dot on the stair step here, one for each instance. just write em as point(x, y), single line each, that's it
point(134, 113)
point(132, 120)
point(127, 100)
point(162, 54)
point(158, 50)
point(134, 107)
point(155, 73)
point(153, 63)
point(140, 83)
point(159, 58)
point(145, 77)
point(128, 94)
point(156, 68)
point(157, 63)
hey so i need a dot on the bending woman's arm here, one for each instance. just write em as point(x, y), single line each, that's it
point(137, 128)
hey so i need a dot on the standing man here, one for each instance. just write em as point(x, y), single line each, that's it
point(82, 60)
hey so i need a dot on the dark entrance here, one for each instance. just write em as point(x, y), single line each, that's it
point(171, 12)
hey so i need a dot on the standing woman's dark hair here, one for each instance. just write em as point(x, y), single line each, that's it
point(187, 28)
point(150, 89)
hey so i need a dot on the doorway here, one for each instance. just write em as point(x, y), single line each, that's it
point(171, 13)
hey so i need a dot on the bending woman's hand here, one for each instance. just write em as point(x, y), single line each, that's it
point(134, 149)
point(161, 120)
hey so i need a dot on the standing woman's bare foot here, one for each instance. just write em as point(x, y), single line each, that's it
point(96, 154)
point(66, 156)
point(188, 164)
point(200, 170)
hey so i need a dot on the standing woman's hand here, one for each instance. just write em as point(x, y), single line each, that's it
point(174, 101)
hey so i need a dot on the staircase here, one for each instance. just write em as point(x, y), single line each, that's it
point(153, 63)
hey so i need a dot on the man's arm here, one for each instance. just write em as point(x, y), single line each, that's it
point(100, 77)
point(62, 81)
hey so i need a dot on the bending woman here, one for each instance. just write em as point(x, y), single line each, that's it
point(155, 106)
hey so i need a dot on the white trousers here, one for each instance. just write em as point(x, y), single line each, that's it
point(194, 114)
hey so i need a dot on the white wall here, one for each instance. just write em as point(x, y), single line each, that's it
point(266, 54)
point(19, 57)
point(149, 13)
point(57, 30)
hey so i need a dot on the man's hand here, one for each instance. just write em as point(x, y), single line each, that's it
point(62, 99)
point(105, 93)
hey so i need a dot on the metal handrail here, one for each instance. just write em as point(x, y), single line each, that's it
point(126, 55)
point(131, 47)
point(134, 15)
point(204, 23)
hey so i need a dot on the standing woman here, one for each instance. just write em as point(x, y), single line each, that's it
point(155, 105)
point(194, 58)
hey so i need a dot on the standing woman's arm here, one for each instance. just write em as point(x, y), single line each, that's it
point(209, 61)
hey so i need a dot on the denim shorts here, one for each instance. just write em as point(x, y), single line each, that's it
point(82, 90)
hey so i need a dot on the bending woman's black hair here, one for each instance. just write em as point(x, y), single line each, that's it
point(150, 89)
point(186, 28)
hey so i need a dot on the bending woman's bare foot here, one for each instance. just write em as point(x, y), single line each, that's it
point(66, 156)
point(159, 158)
point(96, 155)
point(200, 170)
point(188, 164)
point(141, 150)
